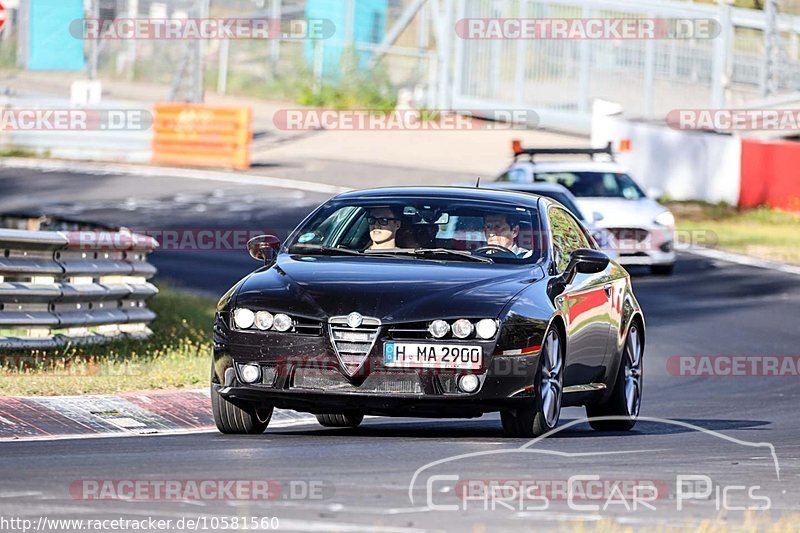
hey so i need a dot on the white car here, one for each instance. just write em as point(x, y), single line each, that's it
point(561, 194)
point(642, 230)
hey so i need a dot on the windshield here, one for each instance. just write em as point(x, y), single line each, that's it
point(422, 229)
point(595, 184)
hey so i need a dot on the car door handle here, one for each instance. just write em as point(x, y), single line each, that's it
point(609, 289)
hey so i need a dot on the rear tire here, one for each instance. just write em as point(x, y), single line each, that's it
point(626, 397)
point(662, 270)
point(543, 413)
point(340, 420)
point(237, 419)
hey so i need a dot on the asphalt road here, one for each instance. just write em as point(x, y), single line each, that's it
point(722, 429)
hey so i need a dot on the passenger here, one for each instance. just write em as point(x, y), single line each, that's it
point(503, 230)
point(383, 225)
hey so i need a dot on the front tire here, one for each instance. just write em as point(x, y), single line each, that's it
point(237, 419)
point(626, 397)
point(543, 414)
point(340, 420)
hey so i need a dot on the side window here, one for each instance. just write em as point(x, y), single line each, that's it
point(515, 175)
point(567, 237)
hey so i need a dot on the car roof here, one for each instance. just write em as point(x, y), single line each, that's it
point(530, 187)
point(570, 166)
point(455, 193)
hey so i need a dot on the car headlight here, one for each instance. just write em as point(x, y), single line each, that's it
point(282, 322)
point(463, 328)
point(486, 328)
point(439, 328)
point(264, 320)
point(665, 219)
point(243, 318)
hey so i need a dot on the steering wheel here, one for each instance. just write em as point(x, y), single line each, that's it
point(495, 248)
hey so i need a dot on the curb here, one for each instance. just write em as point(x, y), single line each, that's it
point(136, 413)
point(54, 165)
point(746, 260)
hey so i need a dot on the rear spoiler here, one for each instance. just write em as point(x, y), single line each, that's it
point(533, 152)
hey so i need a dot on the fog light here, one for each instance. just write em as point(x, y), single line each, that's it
point(486, 328)
point(250, 373)
point(282, 322)
point(438, 328)
point(243, 318)
point(463, 328)
point(468, 383)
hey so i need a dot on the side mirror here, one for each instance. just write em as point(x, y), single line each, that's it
point(264, 248)
point(597, 216)
point(586, 261)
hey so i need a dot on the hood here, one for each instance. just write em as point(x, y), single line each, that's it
point(393, 290)
point(621, 213)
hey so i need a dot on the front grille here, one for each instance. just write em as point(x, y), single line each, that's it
point(304, 326)
point(353, 345)
point(409, 331)
point(378, 382)
point(628, 235)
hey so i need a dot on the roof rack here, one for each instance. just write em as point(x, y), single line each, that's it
point(532, 152)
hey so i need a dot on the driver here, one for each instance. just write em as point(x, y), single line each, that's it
point(383, 225)
point(503, 230)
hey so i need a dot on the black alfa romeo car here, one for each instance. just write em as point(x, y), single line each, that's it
point(430, 302)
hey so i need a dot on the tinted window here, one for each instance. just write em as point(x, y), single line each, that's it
point(595, 184)
point(501, 232)
point(515, 175)
point(567, 237)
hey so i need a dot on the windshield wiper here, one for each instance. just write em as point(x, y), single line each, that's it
point(318, 249)
point(445, 251)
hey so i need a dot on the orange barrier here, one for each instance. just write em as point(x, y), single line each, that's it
point(197, 135)
point(769, 174)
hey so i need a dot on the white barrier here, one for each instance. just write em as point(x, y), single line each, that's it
point(684, 165)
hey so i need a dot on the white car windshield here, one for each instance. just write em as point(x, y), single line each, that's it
point(594, 184)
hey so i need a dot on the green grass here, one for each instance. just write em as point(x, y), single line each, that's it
point(762, 232)
point(177, 355)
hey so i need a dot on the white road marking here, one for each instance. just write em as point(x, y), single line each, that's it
point(47, 165)
point(745, 260)
point(125, 422)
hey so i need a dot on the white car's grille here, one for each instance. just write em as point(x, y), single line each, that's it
point(353, 345)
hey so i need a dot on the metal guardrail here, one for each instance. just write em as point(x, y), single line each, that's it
point(73, 284)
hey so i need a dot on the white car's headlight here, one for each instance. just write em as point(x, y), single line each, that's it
point(243, 318)
point(486, 328)
point(665, 219)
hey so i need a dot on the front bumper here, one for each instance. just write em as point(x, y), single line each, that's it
point(305, 375)
point(651, 245)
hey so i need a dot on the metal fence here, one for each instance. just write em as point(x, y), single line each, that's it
point(649, 78)
point(433, 67)
point(72, 283)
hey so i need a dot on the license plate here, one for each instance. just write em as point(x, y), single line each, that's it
point(416, 355)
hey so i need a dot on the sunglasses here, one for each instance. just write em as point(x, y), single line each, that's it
point(379, 221)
